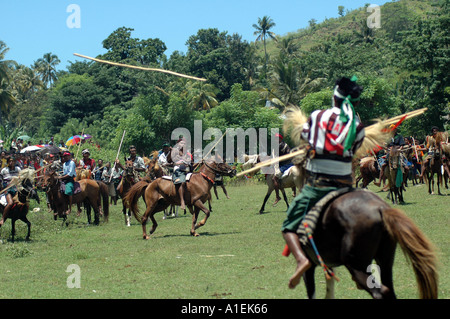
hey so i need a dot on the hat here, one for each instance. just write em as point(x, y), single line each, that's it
point(85, 151)
point(66, 154)
point(166, 144)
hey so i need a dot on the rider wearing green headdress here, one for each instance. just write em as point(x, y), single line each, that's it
point(333, 135)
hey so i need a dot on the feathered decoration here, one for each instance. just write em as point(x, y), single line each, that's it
point(293, 124)
point(375, 136)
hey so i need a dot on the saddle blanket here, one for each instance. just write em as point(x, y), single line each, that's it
point(76, 188)
point(313, 215)
point(3, 201)
point(169, 177)
point(286, 172)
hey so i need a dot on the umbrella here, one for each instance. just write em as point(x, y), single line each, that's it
point(87, 136)
point(31, 148)
point(50, 150)
point(24, 137)
point(73, 140)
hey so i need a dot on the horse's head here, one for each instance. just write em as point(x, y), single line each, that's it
point(26, 188)
point(49, 180)
point(394, 155)
point(221, 168)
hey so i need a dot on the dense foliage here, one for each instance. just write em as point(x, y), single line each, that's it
point(404, 65)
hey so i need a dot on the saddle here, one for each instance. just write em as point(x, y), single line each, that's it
point(169, 177)
point(76, 188)
point(313, 215)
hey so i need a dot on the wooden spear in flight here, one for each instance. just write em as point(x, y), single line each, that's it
point(139, 67)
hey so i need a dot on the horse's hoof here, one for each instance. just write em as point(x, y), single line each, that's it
point(145, 237)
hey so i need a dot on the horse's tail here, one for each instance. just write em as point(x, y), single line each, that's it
point(133, 195)
point(417, 247)
point(104, 191)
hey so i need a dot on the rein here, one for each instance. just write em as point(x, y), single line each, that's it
point(214, 169)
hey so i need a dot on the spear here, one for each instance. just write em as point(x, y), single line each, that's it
point(139, 67)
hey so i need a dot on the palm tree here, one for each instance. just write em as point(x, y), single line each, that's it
point(6, 98)
point(46, 68)
point(262, 32)
point(202, 96)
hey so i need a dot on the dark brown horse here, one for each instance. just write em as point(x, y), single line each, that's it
point(128, 180)
point(21, 207)
point(161, 193)
point(359, 227)
point(92, 194)
point(434, 167)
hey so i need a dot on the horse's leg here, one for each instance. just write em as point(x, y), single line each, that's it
point(310, 282)
point(151, 205)
point(330, 288)
point(285, 197)
point(194, 221)
point(88, 212)
point(26, 221)
point(13, 229)
point(385, 260)
point(269, 191)
point(200, 205)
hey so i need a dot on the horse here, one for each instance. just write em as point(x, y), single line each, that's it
point(21, 205)
point(395, 175)
point(128, 180)
point(434, 167)
point(293, 179)
point(91, 193)
point(161, 193)
point(357, 227)
point(369, 171)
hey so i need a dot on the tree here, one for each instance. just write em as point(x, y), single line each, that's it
point(341, 10)
point(46, 68)
point(263, 32)
point(6, 97)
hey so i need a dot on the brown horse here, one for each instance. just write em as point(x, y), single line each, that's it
point(358, 227)
point(128, 180)
point(21, 207)
point(369, 171)
point(91, 194)
point(161, 193)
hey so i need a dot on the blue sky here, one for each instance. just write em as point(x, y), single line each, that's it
point(31, 28)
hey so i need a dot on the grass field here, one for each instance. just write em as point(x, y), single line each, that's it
point(237, 255)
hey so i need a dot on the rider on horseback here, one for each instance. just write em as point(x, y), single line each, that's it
point(283, 149)
point(68, 178)
point(182, 161)
point(333, 135)
point(398, 141)
point(7, 174)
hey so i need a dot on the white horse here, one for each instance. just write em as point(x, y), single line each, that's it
point(294, 177)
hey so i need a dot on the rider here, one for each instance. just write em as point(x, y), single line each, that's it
point(182, 161)
point(283, 149)
point(7, 173)
point(397, 140)
point(334, 135)
point(86, 162)
point(433, 146)
point(68, 178)
point(162, 159)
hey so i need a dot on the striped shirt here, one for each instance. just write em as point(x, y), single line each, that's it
point(326, 133)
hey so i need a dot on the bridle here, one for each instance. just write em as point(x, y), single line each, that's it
point(215, 170)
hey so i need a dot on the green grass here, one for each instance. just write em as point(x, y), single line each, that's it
point(237, 255)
